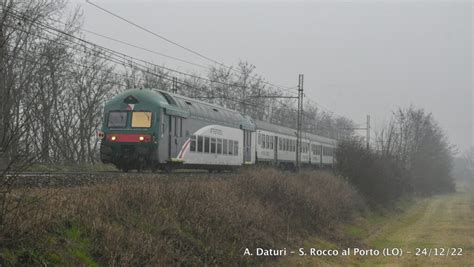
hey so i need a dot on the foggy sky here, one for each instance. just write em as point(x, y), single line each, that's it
point(358, 58)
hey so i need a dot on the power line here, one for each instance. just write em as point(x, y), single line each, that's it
point(155, 34)
point(172, 42)
point(135, 65)
point(133, 58)
point(130, 58)
point(124, 57)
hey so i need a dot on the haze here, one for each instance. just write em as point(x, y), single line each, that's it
point(358, 58)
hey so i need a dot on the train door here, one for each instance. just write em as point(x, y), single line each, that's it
point(309, 153)
point(321, 155)
point(247, 146)
point(275, 149)
point(174, 132)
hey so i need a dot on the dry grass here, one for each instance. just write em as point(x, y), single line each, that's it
point(147, 222)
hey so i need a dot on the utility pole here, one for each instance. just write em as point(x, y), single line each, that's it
point(367, 129)
point(174, 87)
point(299, 131)
point(300, 121)
point(368, 132)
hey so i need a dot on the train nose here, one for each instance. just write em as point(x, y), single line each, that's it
point(129, 138)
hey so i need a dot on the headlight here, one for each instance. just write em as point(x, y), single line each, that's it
point(141, 138)
point(113, 138)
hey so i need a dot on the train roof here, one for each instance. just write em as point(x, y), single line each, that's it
point(182, 106)
point(263, 125)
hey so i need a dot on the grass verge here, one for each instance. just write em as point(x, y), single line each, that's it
point(149, 221)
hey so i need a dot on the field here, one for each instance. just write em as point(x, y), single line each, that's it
point(158, 220)
point(445, 221)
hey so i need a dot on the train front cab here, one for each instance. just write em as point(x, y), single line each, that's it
point(130, 131)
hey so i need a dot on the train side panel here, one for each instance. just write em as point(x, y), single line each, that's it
point(213, 145)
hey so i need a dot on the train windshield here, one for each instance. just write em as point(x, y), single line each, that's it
point(141, 119)
point(117, 119)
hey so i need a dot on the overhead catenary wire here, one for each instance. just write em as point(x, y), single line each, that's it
point(143, 68)
point(130, 59)
point(173, 42)
point(123, 59)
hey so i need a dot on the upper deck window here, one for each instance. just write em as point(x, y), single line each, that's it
point(117, 119)
point(141, 119)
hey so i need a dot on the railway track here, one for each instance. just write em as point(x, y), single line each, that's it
point(73, 179)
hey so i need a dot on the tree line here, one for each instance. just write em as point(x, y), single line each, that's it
point(411, 156)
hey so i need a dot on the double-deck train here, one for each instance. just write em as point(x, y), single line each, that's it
point(154, 129)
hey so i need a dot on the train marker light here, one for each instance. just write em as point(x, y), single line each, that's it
point(101, 135)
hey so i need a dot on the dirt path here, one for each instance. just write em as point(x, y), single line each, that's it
point(441, 222)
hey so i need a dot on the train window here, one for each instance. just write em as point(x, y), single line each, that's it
point(200, 142)
point(231, 147)
point(268, 141)
point(271, 142)
point(224, 147)
point(117, 119)
point(259, 138)
point(141, 119)
point(192, 146)
point(263, 141)
point(213, 145)
point(326, 151)
point(236, 148)
point(219, 146)
point(206, 144)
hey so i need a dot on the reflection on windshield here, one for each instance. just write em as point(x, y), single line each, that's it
point(141, 119)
